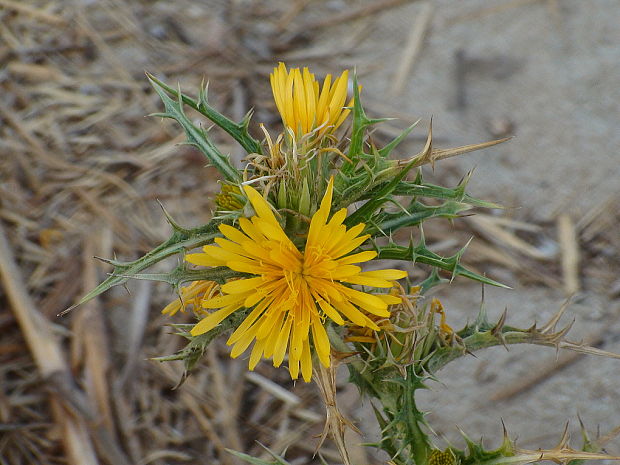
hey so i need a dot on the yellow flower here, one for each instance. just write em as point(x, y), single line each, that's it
point(293, 290)
point(303, 107)
point(193, 294)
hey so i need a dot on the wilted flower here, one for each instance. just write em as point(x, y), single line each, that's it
point(192, 294)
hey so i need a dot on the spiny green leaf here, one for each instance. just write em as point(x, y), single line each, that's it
point(181, 275)
point(364, 213)
point(196, 136)
point(179, 242)
point(388, 223)
point(418, 188)
point(239, 131)
point(431, 281)
point(387, 442)
point(421, 254)
point(358, 131)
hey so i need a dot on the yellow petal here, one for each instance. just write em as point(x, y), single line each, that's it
point(202, 259)
point(246, 267)
point(352, 313)
point(251, 230)
point(344, 114)
point(272, 318)
point(321, 341)
point(310, 98)
point(320, 217)
point(219, 255)
point(275, 327)
point(362, 280)
point(293, 368)
point(173, 307)
point(330, 311)
point(257, 353)
point(261, 206)
point(233, 233)
point(358, 257)
point(299, 106)
point(240, 286)
point(341, 247)
point(212, 320)
point(368, 302)
point(345, 271)
point(283, 338)
point(249, 320)
point(306, 363)
point(254, 298)
point(223, 301)
point(338, 218)
point(350, 245)
point(289, 120)
point(326, 288)
point(322, 114)
point(390, 274)
point(390, 299)
point(299, 333)
point(243, 343)
point(271, 231)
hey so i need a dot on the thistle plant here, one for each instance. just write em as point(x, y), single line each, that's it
point(285, 267)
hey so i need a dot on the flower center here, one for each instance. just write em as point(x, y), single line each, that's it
point(316, 263)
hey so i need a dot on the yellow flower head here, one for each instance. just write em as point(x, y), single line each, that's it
point(303, 106)
point(227, 199)
point(293, 290)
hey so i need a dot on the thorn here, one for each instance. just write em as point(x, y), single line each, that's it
point(462, 250)
point(465, 180)
point(422, 237)
point(550, 326)
point(505, 431)
point(202, 94)
point(109, 261)
point(67, 310)
point(160, 114)
point(584, 431)
point(500, 324)
point(171, 221)
point(559, 336)
point(497, 329)
point(184, 377)
point(429, 144)
point(245, 121)
point(565, 438)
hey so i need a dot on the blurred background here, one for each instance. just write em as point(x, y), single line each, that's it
point(81, 170)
